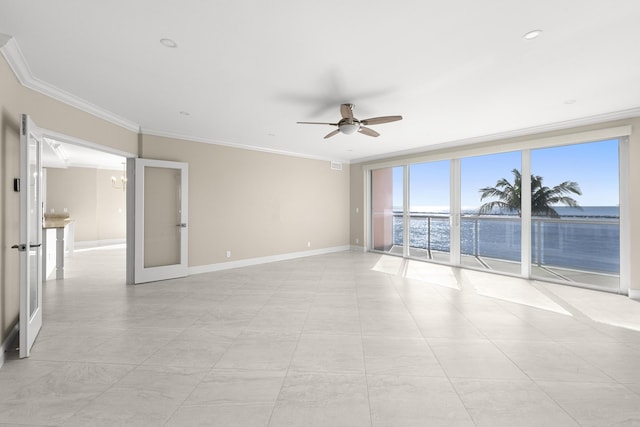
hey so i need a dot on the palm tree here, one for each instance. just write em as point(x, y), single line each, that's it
point(542, 198)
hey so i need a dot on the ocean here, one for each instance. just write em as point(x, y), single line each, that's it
point(584, 239)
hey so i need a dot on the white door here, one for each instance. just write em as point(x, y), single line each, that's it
point(30, 245)
point(161, 233)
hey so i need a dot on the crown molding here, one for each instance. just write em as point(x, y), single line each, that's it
point(18, 64)
point(530, 131)
point(164, 134)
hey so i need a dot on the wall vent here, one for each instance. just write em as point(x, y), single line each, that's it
point(336, 166)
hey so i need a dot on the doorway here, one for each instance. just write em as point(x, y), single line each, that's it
point(84, 191)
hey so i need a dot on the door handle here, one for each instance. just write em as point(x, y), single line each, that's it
point(183, 225)
point(23, 247)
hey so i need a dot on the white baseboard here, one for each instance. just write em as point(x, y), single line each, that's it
point(85, 244)
point(634, 294)
point(6, 343)
point(264, 260)
point(357, 248)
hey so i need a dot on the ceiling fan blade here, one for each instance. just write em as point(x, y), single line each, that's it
point(346, 110)
point(335, 132)
point(368, 132)
point(317, 123)
point(380, 120)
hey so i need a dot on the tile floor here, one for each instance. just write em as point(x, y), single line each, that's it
point(345, 339)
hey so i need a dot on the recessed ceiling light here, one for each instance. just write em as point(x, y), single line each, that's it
point(185, 113)
point(532, 34)
point(169, 43)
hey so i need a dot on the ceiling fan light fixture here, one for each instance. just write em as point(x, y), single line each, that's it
point(349, 128)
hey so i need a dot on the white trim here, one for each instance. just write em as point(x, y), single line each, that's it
point(453, 151)
point(18, 64)
point(4, 348)
point(525, 214)
point(530, 131)
point(89, 244)
point(624, 167)
point(634, 294)
point(164, 134)
point(356, 248)
point(264, 260)
point(60, 137)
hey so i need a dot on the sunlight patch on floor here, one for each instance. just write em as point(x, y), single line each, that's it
point(511, 289)
point(610, 309)
point(434, 274)
point(389, 264)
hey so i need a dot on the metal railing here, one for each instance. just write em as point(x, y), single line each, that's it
point(589, 244)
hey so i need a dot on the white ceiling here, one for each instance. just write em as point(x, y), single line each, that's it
point(247, 70)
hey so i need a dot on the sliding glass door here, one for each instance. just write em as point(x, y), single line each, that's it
point(429, 211)
point(473, 212)
point(387, 206)
point(575, 224)
point(490, 224)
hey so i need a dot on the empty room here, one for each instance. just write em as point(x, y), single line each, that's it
point(319, 213)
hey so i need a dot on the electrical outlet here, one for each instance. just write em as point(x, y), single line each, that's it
point(228, 254)
point(308, 244)
point(357, 240)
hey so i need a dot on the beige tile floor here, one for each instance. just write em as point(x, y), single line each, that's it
point(346, 339)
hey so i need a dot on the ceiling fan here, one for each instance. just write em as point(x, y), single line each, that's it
point(350, 125)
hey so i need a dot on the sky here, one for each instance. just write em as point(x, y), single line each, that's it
point(594, 166)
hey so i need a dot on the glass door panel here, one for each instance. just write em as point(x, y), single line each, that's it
point(387, 210)
point(575, 226)
point(161, 233)
point(161, 216)
point(30, 246)
point(490, 226)
point(429, 211)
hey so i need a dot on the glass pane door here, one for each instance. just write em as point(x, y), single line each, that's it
point(575, 225)
point(490, 226)
point(161, 233)
point(30, 246)
point(387, 210)
point(429, 211)
point(162, 216)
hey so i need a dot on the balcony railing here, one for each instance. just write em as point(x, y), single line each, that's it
point(585, 244)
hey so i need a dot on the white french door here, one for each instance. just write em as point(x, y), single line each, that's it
point(30, 246)
point(161, 219)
